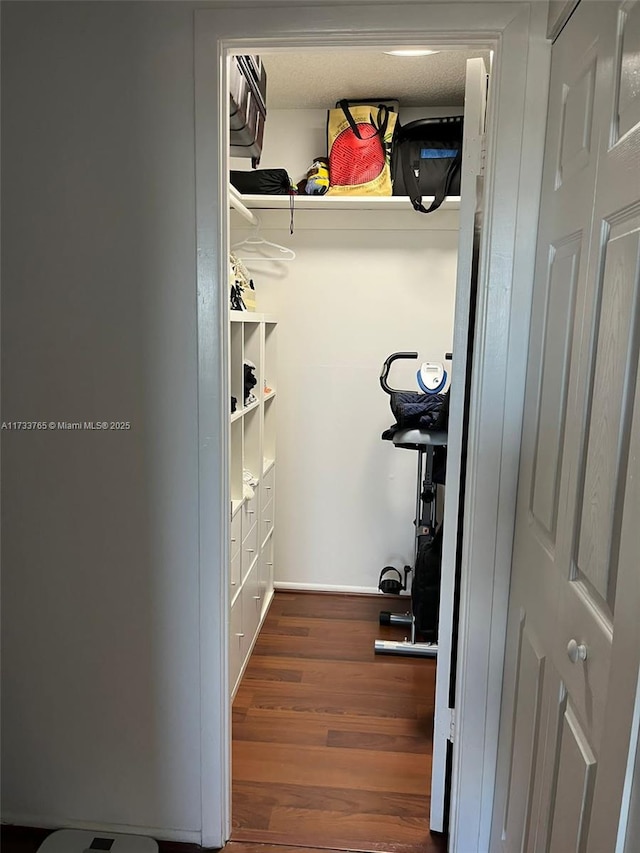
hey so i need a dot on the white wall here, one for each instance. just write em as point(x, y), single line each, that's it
point(100, 700)
point(363, 285)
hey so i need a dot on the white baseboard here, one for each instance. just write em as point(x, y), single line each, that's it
point(323, 587)
point(187, 836)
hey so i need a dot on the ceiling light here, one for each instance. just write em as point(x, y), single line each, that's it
point(416, 52)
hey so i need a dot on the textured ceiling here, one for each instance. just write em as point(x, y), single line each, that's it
point(317, 80)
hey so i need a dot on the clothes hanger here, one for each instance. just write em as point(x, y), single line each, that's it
point(286, 253)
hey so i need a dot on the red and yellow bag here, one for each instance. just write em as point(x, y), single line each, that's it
point(359, 144)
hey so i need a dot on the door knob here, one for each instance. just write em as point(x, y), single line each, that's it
point(576, 651)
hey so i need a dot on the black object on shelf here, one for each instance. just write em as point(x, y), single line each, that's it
point(262, 182)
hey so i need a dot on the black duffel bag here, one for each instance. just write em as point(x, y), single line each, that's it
point(262, 182)
point(426, 159)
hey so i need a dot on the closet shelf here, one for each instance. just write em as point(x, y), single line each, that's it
point(267, 465)
point(251, 317)
point(239, 413)
point(269, 396)
point(337, 202)
point(251, 407)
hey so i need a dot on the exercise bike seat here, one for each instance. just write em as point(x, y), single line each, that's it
point(415, 439)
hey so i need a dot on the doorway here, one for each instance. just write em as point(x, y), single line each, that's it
point(368, 276)
point(218, 32)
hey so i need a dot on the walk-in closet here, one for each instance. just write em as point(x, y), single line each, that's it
point(332, 744)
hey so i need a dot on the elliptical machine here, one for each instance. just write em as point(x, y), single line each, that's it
point(422, 618)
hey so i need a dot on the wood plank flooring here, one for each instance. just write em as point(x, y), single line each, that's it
point(331, 743)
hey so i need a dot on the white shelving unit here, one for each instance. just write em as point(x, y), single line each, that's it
point(252, 337)
point(336, 202)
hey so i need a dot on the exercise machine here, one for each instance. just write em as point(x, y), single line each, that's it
point(429, 444)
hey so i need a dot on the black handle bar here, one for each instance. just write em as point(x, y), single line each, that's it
point(387, 366)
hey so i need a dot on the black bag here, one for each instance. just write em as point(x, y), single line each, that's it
point(426, 160)
point(425, 586)
point(262, 182)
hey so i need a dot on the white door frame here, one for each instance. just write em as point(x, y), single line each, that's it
point(516, 128)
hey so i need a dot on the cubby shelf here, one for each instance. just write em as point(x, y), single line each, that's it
point(235, 416)
point(252, 338)
point(251, 317)
point(251, 407)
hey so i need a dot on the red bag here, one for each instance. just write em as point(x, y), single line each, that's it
point(359, 142)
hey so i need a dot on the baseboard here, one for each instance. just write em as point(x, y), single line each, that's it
point(283, 586)
point(186, 836)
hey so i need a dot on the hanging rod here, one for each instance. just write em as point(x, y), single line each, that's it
point(236, 202)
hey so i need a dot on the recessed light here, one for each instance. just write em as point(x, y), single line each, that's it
point(410, 52)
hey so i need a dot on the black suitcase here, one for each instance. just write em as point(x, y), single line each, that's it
point(247, 107)
point(426, 159)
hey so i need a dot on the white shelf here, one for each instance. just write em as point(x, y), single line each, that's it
point(240, 412)
point(252, 337)
point(250, 317)
point(338, 202)
point(244, 317)
point(250, 408)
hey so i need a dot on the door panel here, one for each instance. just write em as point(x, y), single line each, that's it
point(614, 356)
point(564, 264)
point(628, 101)
point(530, 671)
point(576, 123)
point(575, 575)
point(573, 787)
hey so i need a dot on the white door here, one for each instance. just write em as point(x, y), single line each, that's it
point(470, 206)
point(573, 646)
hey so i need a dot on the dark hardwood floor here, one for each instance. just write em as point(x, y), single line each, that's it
point(331, 743)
